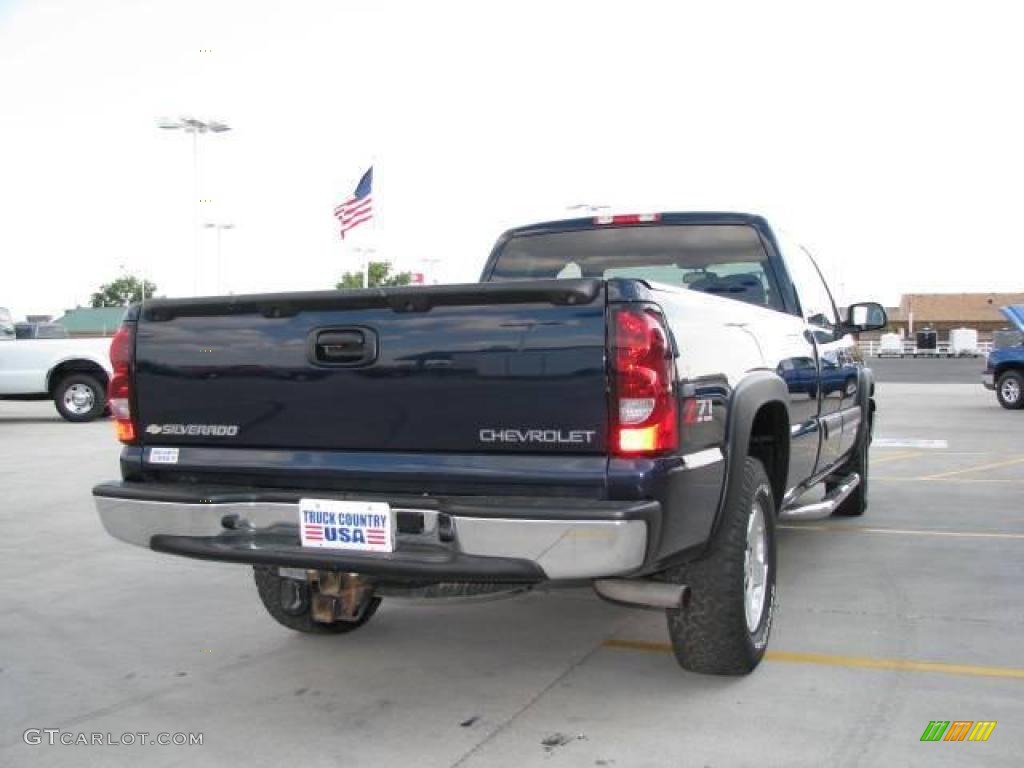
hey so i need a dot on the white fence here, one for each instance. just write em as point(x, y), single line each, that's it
point(909, 349)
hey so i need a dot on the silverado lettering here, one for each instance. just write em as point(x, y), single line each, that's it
point(205, 430)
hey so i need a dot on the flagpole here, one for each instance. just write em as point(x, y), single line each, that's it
point(365, 257)
point(373, 223)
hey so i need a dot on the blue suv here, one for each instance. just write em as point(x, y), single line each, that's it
point(1005, 369)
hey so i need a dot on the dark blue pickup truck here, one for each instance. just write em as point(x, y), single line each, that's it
point(1004, 371)
point(629, 402)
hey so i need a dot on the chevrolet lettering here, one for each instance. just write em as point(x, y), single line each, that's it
point(565, 437)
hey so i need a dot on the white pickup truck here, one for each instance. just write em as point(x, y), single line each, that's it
point(73, 372)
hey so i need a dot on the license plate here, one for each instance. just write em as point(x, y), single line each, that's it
point(361, 526)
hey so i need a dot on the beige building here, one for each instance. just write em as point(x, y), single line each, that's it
point(946, 311)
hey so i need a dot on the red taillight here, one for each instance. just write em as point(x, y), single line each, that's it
point(644, 411)
point(119, 391)
point(628, 218)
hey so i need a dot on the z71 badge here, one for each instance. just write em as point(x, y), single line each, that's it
point(698, 411)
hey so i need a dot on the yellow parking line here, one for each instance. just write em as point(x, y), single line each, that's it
point(902, 531)
point(997, 465)
point(637, 645)
point(832, 660)
point(903, 665)
point(897, 457)
point(964, 480)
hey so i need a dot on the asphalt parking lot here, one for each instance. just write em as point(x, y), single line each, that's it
point(911, 614)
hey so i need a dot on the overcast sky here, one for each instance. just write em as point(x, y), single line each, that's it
point(887, 138)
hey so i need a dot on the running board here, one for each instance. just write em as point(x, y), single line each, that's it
point(649, 594)
point(825, 507)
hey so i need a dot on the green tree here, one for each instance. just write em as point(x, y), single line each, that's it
point(380, 276)
point(121, 292)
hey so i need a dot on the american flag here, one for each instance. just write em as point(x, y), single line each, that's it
point(359, 207)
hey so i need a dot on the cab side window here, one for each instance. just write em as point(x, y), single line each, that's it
point(815, 300)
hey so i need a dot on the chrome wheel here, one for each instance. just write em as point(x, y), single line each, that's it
point(79, 399)
point(1010, 390)
point(755, 567)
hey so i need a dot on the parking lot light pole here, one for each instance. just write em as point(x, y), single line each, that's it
point(587, 207)
point(219, 227)
point(196, 128)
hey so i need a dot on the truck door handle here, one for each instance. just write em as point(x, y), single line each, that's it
point(344, 347)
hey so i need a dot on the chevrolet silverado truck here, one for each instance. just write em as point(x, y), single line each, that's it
point(629, 402)
point(72, 372)
point(1004, 370)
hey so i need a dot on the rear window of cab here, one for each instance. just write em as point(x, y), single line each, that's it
point(722, 259)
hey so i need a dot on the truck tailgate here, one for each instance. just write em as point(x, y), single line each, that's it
point(502, 367)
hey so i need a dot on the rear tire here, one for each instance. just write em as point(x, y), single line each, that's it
point(723, 625)
point(80, 397)
point(289, 602)
point(1010, 390)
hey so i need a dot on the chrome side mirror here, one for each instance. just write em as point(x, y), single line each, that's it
point(865, 316)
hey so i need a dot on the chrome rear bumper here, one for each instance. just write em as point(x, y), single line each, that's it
point(539, 540)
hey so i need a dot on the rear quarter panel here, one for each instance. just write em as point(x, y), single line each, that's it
point(718, 342)
point(725, 338)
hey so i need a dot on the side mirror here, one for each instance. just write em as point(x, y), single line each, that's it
point(865, 316)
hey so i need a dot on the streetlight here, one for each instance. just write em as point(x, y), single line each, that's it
point(219, 226)
point(191, 125)
point(365, 256)
point(196, 128)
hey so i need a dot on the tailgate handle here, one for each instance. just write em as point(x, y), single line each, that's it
point(345, 346)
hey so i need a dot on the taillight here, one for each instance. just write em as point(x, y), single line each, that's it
point(119, 391)
point(628, 218)
point(644, 410)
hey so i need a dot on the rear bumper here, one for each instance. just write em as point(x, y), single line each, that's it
point(504, 539)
